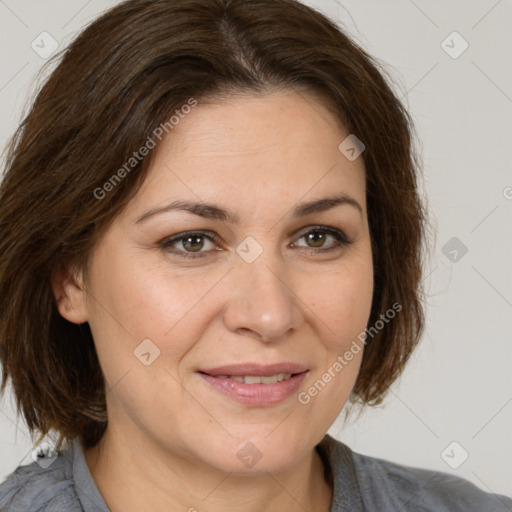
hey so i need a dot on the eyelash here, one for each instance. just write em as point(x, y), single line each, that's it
point(339, 236)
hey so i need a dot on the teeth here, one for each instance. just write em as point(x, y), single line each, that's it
point(253, 379)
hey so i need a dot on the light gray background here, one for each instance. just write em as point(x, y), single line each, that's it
point(457, 386)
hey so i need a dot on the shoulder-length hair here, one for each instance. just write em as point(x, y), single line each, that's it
point(118, 81)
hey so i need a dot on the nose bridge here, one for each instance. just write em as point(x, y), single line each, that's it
point(260, 300)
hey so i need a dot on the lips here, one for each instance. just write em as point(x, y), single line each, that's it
point(256, 385)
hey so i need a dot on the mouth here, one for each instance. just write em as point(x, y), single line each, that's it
point(255, 370)
point(256, 385)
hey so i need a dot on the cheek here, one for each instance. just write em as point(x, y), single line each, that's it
point(131, 303)
point(341, 301)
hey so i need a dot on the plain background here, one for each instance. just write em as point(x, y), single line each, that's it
point(457, 387)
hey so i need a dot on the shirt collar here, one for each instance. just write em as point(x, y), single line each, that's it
point(340, 471)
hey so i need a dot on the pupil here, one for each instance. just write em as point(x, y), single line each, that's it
point(317, 238)
point(196, 242)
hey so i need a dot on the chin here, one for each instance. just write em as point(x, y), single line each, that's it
point(254, 454)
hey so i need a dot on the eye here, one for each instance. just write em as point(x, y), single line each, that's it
point(191, 244)
point(317, 236)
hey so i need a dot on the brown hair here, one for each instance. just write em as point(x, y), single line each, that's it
point(114, 85)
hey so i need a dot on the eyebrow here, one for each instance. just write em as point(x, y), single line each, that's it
point(215, 212)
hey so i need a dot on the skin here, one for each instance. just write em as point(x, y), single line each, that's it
point(172, 440)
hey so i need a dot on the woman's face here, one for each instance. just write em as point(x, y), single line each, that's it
point(263, 280)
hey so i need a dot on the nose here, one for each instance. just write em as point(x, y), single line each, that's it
point(261, 304)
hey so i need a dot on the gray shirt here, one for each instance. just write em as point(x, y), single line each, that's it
point(361, 484)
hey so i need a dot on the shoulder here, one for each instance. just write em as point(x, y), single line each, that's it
point(386, 485)
point(38, 487)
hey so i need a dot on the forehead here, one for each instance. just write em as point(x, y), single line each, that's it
point(253, 150)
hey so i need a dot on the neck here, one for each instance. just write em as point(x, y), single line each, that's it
point(133, 476)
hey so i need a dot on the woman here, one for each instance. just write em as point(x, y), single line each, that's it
point(215, 245)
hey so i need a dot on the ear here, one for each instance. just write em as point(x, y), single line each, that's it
point(70, 295)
